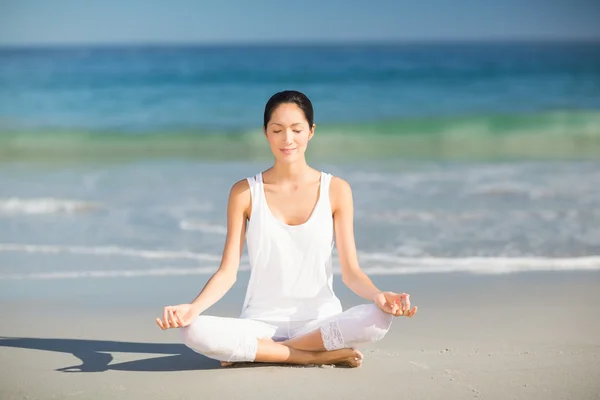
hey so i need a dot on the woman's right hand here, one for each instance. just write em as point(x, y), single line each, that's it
point(177, 316)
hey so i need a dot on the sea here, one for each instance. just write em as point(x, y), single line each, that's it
point(483, 158)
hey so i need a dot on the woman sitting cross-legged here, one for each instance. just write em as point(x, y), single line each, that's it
point(289, 216)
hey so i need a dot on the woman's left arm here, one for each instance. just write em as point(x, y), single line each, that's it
point(353, 276)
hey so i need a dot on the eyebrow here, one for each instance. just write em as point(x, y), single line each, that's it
point(275, 123)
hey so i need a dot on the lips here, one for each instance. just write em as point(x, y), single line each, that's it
point(287, 151)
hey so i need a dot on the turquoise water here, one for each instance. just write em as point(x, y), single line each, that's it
point(117, 162)
point(424, 100)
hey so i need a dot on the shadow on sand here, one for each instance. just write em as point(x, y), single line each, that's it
point(95, 354)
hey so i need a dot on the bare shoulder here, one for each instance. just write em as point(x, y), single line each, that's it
point(240, 198)
point(241, 187)
point(339, 186)
point(340, 193)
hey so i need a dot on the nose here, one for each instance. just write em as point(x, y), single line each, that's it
point(289, 135)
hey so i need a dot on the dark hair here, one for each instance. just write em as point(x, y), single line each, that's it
point(289, 96)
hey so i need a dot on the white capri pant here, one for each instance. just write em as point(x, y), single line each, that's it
point(235, 339)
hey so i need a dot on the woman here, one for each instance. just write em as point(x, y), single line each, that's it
point(292, 213)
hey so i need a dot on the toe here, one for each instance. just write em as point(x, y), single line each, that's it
point(358, 355)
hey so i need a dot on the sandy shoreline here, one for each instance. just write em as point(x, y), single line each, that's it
point(520, 336)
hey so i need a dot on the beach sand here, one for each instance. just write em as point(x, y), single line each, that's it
point(518, 336)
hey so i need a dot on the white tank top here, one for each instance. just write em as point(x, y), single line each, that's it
point(291, 268)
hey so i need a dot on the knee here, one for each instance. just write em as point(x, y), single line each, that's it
point(371, 324)
point(198, 336)
point(377, 323)
point(217, 338)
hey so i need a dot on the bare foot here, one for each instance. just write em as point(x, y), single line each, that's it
point(226, 364)
point(345, 357)
point(353, 361)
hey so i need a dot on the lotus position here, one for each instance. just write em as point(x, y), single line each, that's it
point(290, 217)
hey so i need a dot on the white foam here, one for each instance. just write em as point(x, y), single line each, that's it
point(108, 251)
point(403, 266)
point(424, 216)
point(43, 205)
point(167, 271)
point(493, 268)
point(478, 265)
point(202, 227)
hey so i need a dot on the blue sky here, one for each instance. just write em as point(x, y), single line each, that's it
point(187, 21)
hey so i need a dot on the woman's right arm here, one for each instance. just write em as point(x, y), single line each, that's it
point(238, 211)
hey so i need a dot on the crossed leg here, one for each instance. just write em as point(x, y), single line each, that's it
point(269, 351)
point(329, 341)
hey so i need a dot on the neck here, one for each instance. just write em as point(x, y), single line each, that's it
point(290, 171)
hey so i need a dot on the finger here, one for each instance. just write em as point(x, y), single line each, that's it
point(166, 317)
point(403, 313)
point(160, 324)
point(407, 302)
point(179, 319)
point(173, 320)
point(413, 312)
point(398, 310)
point(398, 302)
point(401, 301)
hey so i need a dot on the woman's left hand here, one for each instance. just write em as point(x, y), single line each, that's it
point(395, 304)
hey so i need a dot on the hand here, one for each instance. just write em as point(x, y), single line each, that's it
point(177, 316)
point(395, 304)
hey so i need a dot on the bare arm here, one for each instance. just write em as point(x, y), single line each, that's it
point(219, 284)
point(354, 277)
point(343, 217)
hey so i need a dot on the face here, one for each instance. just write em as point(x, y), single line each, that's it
point(288, 132)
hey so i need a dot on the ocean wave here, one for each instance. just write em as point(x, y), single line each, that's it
point(44, 205)
point(167, 271)
point(548, 124)
point(108, 251)
point(203, 227)
point(405, 266)
point(482, 265)
point(392, 216)
point(549, 134)
point(373, 264)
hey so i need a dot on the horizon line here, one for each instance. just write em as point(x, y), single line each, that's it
point(316, 43)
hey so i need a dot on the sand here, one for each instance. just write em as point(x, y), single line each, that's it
point(519, 336)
